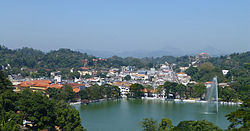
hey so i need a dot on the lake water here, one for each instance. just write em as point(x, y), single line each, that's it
point(125, 115)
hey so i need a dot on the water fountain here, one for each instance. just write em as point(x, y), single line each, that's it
point(212, 96)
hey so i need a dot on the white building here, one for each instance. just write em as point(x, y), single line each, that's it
point(58, 78)
point(224, 72)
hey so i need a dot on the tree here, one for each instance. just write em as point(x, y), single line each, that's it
point(86, 76)
point(54, 93)
point(181, 89)
point(148, 124)
point(191, 71)
point(35, 107)
point(38, 109)
point(149, 88)
point(95, 92)
point(127, 77)
point(4, 83)
point(240, 119)
point(190, 88)
point(228, 94)
point(199, 90)
point(170, 88)
point(46, 114)
point(100, 74)
point(136, 90)
point(83, 94)
point(67, 93)
point(68, 117)
point(160, 90)
point(115, 92)
point(9, 119)
point(201, 125)
point(74, 75)
point(165, 125)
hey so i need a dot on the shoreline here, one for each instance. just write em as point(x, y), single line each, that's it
point(92, 101)
point(154, 98)
point(191, 101)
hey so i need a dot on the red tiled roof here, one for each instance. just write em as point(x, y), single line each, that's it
point(41, 85)
point(84, 68)
point(58, 86)
point(151, 91)
point(25, 84)
point(36, 83)
point(76, 90)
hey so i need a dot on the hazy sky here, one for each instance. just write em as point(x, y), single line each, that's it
point(115, 25)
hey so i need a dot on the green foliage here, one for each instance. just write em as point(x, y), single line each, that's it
point(228, 94)
point(149, 88)
point(36, 108)
point(42, 62)
point(181, 89)
point(54, 93)
point(86, 76)
point(191, 71)
point(165, 125)
point(148, 124)
point(68, 118)
point(234, 60)
point(136, 91)
point(111, 91)
point(240, 82)
point(127, 77)
point(65, 93)
point(74, 75)
point(160, 89)
point(4, 83)
point(204, 72)
point(201, 125)
point(96, 92)
point(170, 88)
point(190, 90)
point(100, 74)
point(84, 94)
point(199, 90)
point(10, 121)
point(63, 58)
point(240, 119)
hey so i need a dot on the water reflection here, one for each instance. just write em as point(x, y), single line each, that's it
point(125, 114)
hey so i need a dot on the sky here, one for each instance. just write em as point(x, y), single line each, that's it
point(126, 25)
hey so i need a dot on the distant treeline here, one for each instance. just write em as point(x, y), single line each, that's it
point(65, 59)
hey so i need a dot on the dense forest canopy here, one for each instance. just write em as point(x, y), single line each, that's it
point(35, 108)
point(66, 58)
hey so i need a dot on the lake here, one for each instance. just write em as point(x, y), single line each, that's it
point(125, 115)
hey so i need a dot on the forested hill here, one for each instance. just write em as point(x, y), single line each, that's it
point(31, 58)
point(66, 58)
point(234, 60)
